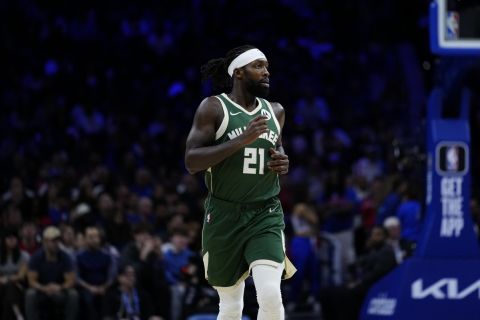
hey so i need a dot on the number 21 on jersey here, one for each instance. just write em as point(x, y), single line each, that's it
point(254, 161)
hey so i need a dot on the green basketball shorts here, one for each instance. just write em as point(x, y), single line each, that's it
point(235, 235)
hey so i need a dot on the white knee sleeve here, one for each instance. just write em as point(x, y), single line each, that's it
point(267, 283)
point(231, 302)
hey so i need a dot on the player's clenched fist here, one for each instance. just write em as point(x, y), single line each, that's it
point(255, 128)
point(279, 162)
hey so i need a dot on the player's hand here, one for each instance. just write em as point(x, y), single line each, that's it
point(255, 128)
point(279, 162)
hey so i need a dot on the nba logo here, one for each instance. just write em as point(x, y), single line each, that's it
point(452, 25)
point(452, 158)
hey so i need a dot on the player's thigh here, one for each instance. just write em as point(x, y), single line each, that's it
point(223, 245)
point(267, 246)
point(266, 241)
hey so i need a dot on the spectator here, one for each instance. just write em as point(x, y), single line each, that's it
point(57, 207)
point(143, 254)
point(141, 249)
point(51, 280)
point(177, 257)
point(410, 214)
point(67, 241)
point(94, 271)
point(303, 253)
point(161, 289)
point(20, 197)
point(311, 110)
point(368, 166)
point(12, 217)
point(82, 217)
point(338, 213)
point(80, 242)
point(143, 186)
point(111, 250)
point(13, 271)
point(28, 238)
point(368, 211)
point(105, 206)
point(117, 229)
point(344, 303)
point(377, 262)
point(200, 298)
point(126, 300)
point(143, 212)
point(403, 248)
point(369, 205)
point(389, 205)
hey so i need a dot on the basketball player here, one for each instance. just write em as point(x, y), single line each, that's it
point(236, 138)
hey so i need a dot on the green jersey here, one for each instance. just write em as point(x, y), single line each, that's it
point(244, 176)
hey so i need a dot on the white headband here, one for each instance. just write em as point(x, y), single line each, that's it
point(244, 59)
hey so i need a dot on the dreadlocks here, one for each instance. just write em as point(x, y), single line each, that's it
point(216, 69)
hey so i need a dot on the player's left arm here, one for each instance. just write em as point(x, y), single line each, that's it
point(279, 160)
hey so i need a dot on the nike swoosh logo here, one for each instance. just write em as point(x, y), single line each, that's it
point(270, 210)
point(234, 114)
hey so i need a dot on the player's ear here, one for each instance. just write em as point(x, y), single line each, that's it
point(238, 73)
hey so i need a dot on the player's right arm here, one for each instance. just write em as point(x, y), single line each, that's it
point(200, 151)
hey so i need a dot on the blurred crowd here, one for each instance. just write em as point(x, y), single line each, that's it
point(98, 213)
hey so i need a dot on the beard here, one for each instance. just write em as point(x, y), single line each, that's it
point(256, 89)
